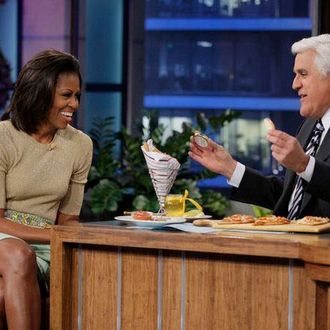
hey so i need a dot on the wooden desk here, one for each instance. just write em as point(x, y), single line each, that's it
point(119, 278)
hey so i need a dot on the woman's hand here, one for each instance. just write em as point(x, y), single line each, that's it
point(214, 157)
point(27, 233)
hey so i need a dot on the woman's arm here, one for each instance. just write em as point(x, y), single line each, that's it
point(72, 201)
point(27, 233)
point(67, 219)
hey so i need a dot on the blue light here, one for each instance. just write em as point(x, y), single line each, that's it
point(228, 24)
point(222, 102)
point(217, 182)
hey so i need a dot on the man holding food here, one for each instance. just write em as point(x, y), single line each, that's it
point(305, 189)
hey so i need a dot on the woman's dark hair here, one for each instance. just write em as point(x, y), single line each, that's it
point(34, 90)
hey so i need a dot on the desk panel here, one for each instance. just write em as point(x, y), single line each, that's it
point(111, 284)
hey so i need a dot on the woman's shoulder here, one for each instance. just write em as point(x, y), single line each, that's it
point(9, 138)
point(76, 136)
point(7, 129)
point(77, 144)
point(5, 125)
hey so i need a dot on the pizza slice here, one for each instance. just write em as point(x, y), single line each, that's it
point(271, 220)
point(312, 221)
point(230, 220)
point(238, 218)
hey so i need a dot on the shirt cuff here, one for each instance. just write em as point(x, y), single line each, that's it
point(237, 176)
point(308, 173)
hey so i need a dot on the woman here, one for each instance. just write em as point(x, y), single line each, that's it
point(44, 163)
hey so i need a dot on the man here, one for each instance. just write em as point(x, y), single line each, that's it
point(305, 189)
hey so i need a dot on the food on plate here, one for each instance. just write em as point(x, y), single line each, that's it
point(148, 216)
point(200, 139)
point(238, 218)
point(194, 213)
point(271, 220)
point(207, 223)
point(142, 215)
point(160, 217)
point(312, 221)
point(269, 124)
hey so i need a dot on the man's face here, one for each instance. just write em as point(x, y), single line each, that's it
point(313, 88)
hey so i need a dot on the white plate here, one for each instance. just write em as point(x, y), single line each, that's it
point(149, 223)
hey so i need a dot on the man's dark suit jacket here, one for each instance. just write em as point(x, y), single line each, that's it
point(275, 193)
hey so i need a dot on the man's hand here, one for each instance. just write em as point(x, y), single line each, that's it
point(214, 157)
point(287, 150)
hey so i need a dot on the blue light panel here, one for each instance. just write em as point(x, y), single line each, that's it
point(222, 102)
point(229, 24)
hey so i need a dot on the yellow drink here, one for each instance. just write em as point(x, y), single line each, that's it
point(175, 205)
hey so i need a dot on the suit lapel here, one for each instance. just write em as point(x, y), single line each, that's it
point(303, 137)
point(324, 150)
point(290, 176)
point(322, 154)
point(305, 132)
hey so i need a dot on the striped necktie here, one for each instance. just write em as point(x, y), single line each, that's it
point(300, 183)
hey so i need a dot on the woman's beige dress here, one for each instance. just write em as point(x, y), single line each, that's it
point(40, 180)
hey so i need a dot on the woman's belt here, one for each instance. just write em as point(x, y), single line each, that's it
point(28, 219)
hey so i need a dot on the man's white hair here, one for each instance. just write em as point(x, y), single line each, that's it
point(321, 45)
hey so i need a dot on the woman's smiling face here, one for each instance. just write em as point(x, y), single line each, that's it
point(65, 101)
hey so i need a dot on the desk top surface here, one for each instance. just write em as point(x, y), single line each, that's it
point(313, 248)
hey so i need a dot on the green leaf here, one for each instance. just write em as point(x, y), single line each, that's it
point(214, 203)
point(202, 121)
point(142, 202)
point(261, 211)
point(216, 122)
point(105, 196)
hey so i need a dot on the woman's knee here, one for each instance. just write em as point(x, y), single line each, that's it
point(16, 258)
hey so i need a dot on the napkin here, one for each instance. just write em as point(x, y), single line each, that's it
point(163, 170)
